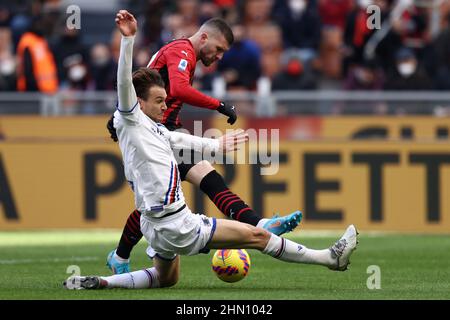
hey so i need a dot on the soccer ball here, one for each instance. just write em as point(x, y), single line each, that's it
point(231, 265)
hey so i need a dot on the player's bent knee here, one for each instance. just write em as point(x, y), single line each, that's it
point(260, 232)
point(261, 237)
point(205, 166)
point(168, 271)
point(169, 281)
point(196, 174)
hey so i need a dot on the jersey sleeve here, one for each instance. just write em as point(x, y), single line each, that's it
point(179, 140)
point(128, 105)
point(180, 63)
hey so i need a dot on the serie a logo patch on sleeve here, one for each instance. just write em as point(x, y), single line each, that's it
point(182, 65)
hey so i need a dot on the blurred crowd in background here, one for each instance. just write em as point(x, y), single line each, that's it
point(297, 44)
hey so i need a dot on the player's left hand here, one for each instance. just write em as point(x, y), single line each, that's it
point(231, 141)
point(229, 111)
point(126, 23)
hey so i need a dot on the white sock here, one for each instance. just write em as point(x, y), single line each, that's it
point(287, 250)
point(262, 222)
point(142, 279)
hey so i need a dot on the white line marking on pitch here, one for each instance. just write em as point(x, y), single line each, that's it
point(52, 260)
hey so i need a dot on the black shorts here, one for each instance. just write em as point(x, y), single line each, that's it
point(185, 166)
point(194, 157)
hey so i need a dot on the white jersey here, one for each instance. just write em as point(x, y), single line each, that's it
point(149, 162)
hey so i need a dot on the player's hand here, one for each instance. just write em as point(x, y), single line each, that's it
point(229, 111)
point(126, 23)
point(231, 141)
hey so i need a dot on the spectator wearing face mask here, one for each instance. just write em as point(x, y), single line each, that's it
point(7, 73)
point(77, 80)
point(295, 75)
point(77, 73)
point(7, 60)
point(408, 74)
point(69, 44)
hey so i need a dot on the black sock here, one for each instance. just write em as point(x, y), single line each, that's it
point(226, 201)
point(131, 235)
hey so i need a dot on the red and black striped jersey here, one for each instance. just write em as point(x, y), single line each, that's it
point(176, 62)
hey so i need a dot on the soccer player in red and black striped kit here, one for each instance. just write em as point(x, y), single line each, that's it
point(176, 62)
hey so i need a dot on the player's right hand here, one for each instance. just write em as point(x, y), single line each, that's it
point(126, 23)
point(229, 111)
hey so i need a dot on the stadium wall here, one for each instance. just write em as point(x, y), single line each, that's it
point(66, 173)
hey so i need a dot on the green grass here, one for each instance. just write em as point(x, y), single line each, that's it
point(33, 265)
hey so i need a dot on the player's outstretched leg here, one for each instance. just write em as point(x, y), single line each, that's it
point(230, 234)
point(337, 257)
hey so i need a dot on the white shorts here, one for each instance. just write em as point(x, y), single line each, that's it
point(183, 233)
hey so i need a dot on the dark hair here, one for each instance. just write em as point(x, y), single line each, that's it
point(143, 80)
point(112, 131)
point(220, 25)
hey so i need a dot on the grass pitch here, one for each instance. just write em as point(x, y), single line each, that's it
point(34, 264)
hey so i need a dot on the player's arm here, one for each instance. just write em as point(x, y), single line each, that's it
point(127, 25)
point(179, 69)
point(227, 142)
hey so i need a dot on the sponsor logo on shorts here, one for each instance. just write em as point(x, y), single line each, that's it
point(206, 221)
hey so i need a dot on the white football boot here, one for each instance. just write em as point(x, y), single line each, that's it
point(80, 283)
point(343, 248)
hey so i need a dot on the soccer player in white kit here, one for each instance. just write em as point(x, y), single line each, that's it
point(168, 225)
